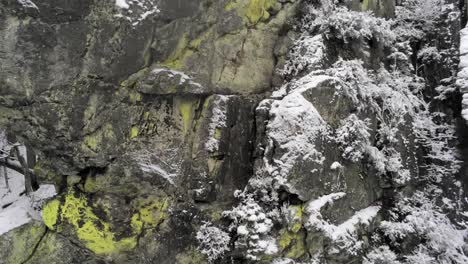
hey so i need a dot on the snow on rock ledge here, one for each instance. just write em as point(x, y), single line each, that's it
point(345, 233)
point(135, 11)
point(164, 81)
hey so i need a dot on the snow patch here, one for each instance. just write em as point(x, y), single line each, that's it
point(28, 4)
point(336, 166)
point(122, 4)
point(153, 164)
point(19, 208)
point(154, 168)
point(217, 122)
point(136, 11)
point(345, 234)
point(171, 78)
point(214, 242)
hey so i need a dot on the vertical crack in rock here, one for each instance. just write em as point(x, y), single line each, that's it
point(35, 247)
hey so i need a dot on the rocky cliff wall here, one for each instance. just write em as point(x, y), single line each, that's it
point(245, 131)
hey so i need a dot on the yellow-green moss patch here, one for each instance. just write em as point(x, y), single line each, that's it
point(186, 109)
point(176, 59)
point(94, 232)
point(150, 214)
point(50, 213)
point(296, 222)
point(184, 50)
point(95, 140)
point(252, 11)
point(292, 244)
point(134, 132)
point(92, 142)
point(135, 97)
point(22, 242)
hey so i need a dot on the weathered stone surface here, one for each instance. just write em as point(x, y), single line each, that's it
point(153, 126)
point(33, 243)
point(121, 111)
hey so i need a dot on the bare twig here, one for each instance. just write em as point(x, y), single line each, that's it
point(26, 171)
point(5, 174)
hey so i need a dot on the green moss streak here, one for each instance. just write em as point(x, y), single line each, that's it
point(365, 5)
point(184, 50)
point(186, 112)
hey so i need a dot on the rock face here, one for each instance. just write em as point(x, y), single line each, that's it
point(236, 131)
point(143, 115)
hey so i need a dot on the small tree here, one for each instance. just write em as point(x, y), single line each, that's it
point(11, 158)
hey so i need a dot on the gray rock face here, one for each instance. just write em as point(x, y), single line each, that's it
point(137, 111)
point(244, 131)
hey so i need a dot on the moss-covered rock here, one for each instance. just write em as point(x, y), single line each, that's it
point(120, 115)
point(33, 243)
point(95, 231)
point(18, 245)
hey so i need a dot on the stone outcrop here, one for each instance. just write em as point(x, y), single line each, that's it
point(233, 131)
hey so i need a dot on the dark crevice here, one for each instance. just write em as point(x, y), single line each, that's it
point(92, 171)
point(73, 242)
point(6, 205)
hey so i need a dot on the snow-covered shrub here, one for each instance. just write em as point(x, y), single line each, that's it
point(415, 18)
point(350, 26)
point(307, 53)
point(314, 14)
point(429, 55)
point(391, 123)
point(214, 242)
point(440, 239)
point(353, 136)
point(421, 256)
point(390, 98)
point(417, 10)
point(436, 138)
point(252, 223)
point(399, 58)
point(381, 255)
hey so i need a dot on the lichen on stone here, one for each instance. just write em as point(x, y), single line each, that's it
point(134, 132)
point(178, 56)
point(50, 214)
point(185, 107)
point(18, 245)
point(292, 238)
point(96, 233)
point(252, 11)
point(97, 139)
point(150, 214)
